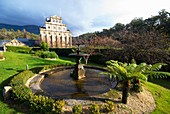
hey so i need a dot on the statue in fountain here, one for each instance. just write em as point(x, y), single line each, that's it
point(79, 71)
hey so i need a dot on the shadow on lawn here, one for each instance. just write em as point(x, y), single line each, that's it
point(162, 82)
point(17, 106)
point(11, 104)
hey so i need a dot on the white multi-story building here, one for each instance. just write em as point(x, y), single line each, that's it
point(55, 33)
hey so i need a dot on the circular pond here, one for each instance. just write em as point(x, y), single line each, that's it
point(61, 85)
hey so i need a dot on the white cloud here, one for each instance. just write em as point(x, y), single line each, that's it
point(81, 16)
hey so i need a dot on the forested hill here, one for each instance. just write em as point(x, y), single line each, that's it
point(30, 28)
point(160, 23)
point(144, 40)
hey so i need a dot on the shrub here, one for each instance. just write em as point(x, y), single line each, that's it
point(46, 54)
point(21, 78)
point(94, 109)
point(77, 109)
point(38, 53)
point(20, 91)
point(58, 106)
point(37, 103)
point(41, 104)
point(44, 46)
point(109, 106)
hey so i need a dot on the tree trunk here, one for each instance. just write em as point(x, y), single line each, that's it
point(125, 91)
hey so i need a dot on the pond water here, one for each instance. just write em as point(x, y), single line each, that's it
point(61, 85)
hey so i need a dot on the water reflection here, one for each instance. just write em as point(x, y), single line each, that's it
point(61, 85)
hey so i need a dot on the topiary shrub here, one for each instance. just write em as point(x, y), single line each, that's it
point(94, 109)
point(77, 109)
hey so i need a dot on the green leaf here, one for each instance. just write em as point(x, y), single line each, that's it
point(157, 66)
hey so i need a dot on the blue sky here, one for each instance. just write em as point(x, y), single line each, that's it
point(81, 16)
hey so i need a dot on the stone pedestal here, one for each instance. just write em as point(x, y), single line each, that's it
point(78, 72)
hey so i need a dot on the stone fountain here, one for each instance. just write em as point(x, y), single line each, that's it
point(79, 71)
point(84, 82)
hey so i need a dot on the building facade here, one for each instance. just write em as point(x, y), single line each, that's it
point(55, 33)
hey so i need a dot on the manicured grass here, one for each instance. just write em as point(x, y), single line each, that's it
point(161, 96)
point(15, 63)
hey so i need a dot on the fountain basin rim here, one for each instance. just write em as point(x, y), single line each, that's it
point(35, 87)
point(81, 54)
point(71, 67)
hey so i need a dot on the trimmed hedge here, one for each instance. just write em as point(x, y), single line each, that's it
point(21, 92)
point(64, 52)
point(36, 103)
point(21, 49)
point(46, 54)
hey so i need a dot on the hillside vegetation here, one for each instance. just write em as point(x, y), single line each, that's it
point(30, 28)
point(143, 40)
point(11, 34)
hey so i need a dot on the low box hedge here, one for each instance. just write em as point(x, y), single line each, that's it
point(36, 103)
point(21, 49)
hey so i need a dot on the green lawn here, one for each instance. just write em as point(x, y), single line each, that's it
point(161, 95)
point(16, 62)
